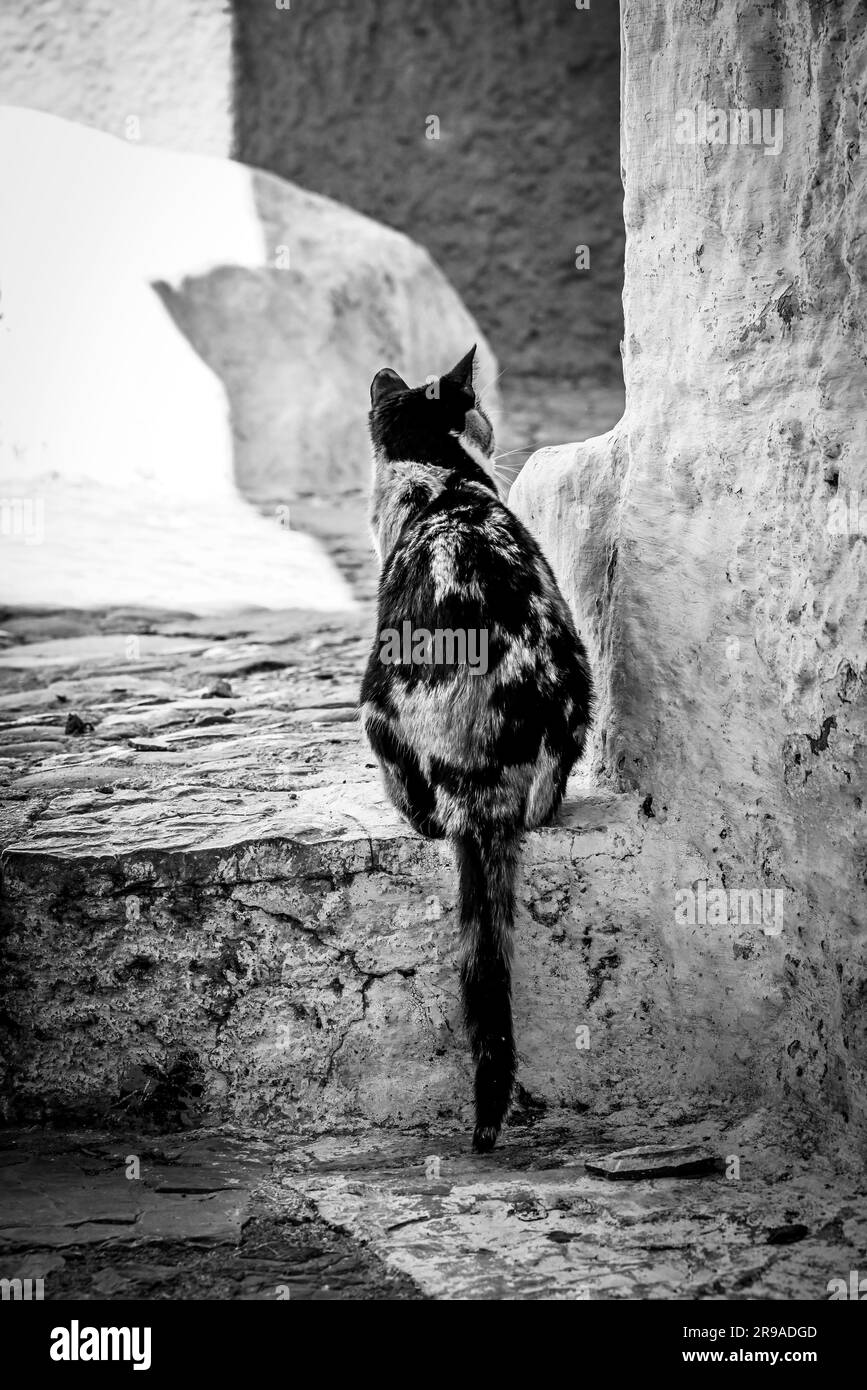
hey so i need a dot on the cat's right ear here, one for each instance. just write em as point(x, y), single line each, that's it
point(386, 383)
point(462, 374)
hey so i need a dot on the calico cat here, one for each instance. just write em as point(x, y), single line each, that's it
point(477, 756)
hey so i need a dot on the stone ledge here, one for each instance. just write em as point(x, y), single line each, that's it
point(201, 829)
point(303, 966)
point(304, 971)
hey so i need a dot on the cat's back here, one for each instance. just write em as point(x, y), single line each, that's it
point(467, 569)
point(465, 556)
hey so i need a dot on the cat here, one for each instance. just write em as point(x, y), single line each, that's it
point(475, 756)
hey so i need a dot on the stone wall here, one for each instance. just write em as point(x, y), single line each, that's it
point(336, 96)
point(713, 543)
point(158, 71)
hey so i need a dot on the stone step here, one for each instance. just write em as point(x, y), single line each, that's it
point(292, 956)
point(232, 953)
point(210, 911)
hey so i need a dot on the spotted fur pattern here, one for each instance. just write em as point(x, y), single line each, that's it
point(477, 758)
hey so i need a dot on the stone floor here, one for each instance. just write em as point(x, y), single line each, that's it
point(111, 713)
point(119, 727)
point(384, 1215)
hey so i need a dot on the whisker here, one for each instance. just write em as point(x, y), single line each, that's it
point(490, 383)
point(524, 449)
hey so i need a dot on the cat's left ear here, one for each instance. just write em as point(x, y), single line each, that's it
point(462, 374)
point(385, 383)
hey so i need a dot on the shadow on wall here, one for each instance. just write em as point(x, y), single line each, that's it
point(488, 130)
point(240, 325)
point(296, 328)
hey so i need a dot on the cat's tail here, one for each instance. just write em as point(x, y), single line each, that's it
point(487, 863)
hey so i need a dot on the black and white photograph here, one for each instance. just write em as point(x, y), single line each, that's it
point(433, 670)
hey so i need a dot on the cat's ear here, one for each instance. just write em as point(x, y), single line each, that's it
point(385, 383)
point(462, 374)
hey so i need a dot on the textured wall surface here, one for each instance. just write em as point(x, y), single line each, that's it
point(312, 976)
point(163, 64)
point(714, 542)
point(337, 95)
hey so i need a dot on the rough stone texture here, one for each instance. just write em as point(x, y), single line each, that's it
point(165, 64)
point(188, 1217)
point(207, 328)
point(337, 95)
point(705, 541)
point(414, 1215)
point(530, 1224)
point(654, 1161)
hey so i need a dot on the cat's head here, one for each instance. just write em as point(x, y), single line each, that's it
point(422, 422)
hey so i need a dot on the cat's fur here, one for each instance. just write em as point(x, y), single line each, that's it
point(478, 758)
